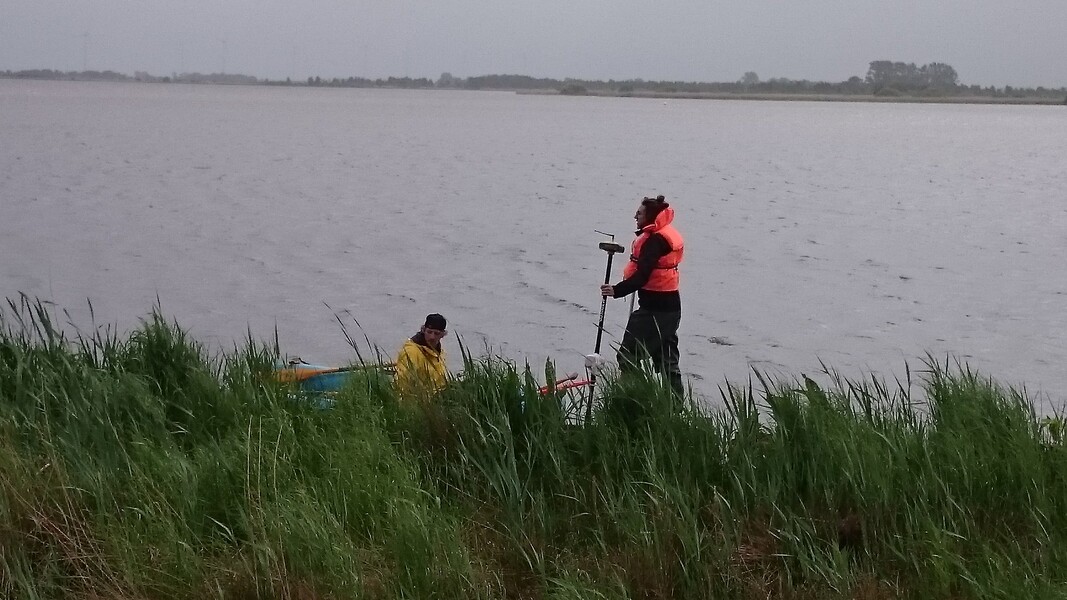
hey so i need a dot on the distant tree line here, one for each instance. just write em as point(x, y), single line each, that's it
point(362, 82)
point(884, 74)
point(66, 75)
point(224, 78)
point(232, 78)
point(883, 78)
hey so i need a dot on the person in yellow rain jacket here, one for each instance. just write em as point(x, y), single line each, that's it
point(420, 365)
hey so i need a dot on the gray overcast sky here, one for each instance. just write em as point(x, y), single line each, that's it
point(989, 42)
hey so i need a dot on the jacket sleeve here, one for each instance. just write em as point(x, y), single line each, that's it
point(406, 367)
point(652, 250)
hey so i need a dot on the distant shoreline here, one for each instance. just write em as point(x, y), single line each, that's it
point(786, 97)
point(230, 80)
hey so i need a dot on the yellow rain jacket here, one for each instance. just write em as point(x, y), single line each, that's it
point(420, 370)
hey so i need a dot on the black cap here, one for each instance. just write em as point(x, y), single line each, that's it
point(435, 321)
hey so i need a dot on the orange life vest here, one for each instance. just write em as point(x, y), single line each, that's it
point(664, 276)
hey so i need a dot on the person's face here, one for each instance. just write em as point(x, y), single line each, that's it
point(641, 216)
point(433, 336)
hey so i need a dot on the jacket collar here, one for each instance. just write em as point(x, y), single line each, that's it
point(663, 219)
point(420, 339)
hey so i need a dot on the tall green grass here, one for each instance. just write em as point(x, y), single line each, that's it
point(143, 467)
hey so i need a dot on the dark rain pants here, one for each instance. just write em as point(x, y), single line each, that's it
point(653, 335)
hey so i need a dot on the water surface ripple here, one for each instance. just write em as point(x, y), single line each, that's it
point(861, 235)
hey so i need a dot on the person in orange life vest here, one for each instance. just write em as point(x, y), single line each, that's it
point(652, 330)
point(420, 365)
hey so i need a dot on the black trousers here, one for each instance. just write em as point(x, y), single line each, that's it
point(653, 335)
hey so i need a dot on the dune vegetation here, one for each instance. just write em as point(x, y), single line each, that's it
point(141, 467)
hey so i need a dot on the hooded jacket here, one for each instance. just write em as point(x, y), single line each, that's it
point(664, 277)
point(420, 369)
point(653, 268)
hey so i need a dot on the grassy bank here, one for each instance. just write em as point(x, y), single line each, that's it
point(142, 468)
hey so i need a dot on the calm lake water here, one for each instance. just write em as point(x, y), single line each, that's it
point(865, 236)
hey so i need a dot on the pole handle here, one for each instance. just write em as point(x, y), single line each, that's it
point(611, 248)
point(603, 307)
